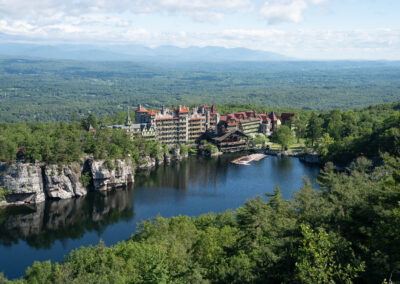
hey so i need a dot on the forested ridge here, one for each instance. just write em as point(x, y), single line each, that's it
point(348, 231)
point(51, 90)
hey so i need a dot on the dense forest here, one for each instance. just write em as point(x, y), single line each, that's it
point(51, 90)
point(348, 231)
point(63, 143)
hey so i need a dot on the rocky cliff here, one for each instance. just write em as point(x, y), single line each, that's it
point(33, 183)
point(111, 174)
point(63, 182)
point(23, 182)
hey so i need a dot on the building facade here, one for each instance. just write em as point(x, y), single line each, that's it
point(231, 141)
point(249, 122)
point(185, 126)
point(179, 126)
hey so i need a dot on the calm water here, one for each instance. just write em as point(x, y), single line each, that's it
point(52, 229)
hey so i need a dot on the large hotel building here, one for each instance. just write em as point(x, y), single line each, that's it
point(179, 125)
point(184, 126)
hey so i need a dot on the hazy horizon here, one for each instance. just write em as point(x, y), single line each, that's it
point(300, 29)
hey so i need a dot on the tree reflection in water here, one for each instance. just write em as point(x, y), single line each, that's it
point(42, 224)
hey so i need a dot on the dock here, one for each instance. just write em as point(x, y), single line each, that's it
point(246, 160)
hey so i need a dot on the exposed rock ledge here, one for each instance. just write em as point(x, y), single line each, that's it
point(106, 176)
point(34, 183)
point(63, 182)
point(24, 181)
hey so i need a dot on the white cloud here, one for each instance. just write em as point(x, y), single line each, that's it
point(197, 9)
point(277, 11)
point(319, 2)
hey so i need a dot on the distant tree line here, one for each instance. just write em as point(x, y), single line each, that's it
point(51, 90)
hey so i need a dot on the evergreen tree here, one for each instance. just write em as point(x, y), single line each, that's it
point(314, 128)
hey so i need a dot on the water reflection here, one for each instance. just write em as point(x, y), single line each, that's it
point(42, 224)
point(191, 173)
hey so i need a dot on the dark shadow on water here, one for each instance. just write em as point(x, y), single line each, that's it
point(42, 224)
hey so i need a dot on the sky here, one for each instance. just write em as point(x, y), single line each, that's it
point(303, 29)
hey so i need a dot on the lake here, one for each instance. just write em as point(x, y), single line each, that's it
point(198, 185)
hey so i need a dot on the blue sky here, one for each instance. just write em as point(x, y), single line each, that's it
point(305, 29)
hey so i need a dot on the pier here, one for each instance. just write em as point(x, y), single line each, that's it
point(246, 160)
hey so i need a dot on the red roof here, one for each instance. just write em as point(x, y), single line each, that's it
point(152, 111)
point(264, 117)
point(141, 109)
point(213, 109)
point(223, 118)
point(182, 109)
point(195, 118)
point(231, 116)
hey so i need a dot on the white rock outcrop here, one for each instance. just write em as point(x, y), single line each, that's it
point(63, 182)
point(111, 174)
point(24, 181)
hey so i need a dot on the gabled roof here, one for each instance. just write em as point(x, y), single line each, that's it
point(152, 111)
point(182, 109)
point(264, 117)
point(229, 133)
point(141, 109)
point(223, 118)
point(231, 116)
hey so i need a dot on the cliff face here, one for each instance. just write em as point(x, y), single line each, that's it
point(24, 181)
point(33, 183)
point(112, 174)
point(63, 182)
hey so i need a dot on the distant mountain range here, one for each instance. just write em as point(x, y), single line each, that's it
point(137, 53)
